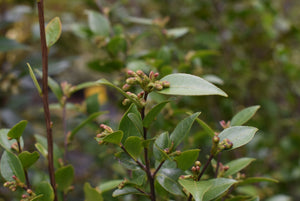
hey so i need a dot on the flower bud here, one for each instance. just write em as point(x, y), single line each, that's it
point(158, 86)
point(156, 75)
point(126, 87)
point(197, 168)
point(126, 101)
point(216, 139)
point(197, 163)
point(131, 81)
point(193, 169)
point(29, 191)
point(166, 84)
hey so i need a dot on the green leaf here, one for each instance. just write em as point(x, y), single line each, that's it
point(98, 23)
point(53, 31)
point(28, 159)
point(137, 122)
point(251, 180)
point(83, 123)
point(177, 32)
point(4, 142)
point(43, 150)
point(127, 126)
point(243, 116)
point(169, 184)
point(91, 194)
point(64, 177)
point(189, 85)
point(182, 129)
point(160, 154)
point(117, 44)
point(151, 115)
point(36, 197)
point(197, 189)
point(218, 186)
point(133, 145)
point(187, 158)
point(238, 135)
point(205, 127)
point(33, 77)
point(45, 189)
point(114, 138)
point(10, 166)
point(162, 142)
point(54, 86)
point(126, 191)
point(18, 129)
point(109, 185)
point(7, 44)
point(138, 177)
point(92, 104)
point(127, 161)
point(237, 165)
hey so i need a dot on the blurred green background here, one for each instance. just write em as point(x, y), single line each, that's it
point(249, 48)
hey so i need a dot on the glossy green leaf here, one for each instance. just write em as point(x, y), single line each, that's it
point(33, 77)
point(10, 166)
point(28, 159)
point(7, 44)
point(169, 184)
point(187, 158)
point(114, 138)
point(243, 116)
point(205, 127)
point(237, 165)
point(91, 194)
point(152, 114)
point(64, 177)
point(197, 189)
point(18, 129)
point(137, 122)
point(83, 123)
point(4, 142)
point(53, 31)
point(251, 180)
point(98, 23)
point(238, 135)
point(126, 191)
point(218, 186)
point(189, 85)
point(109, 185)
point(45, 189)
point(126, 125)
point(182, 129)
point(162, 142)
point(138, 177)
point(126, 161)
point(133, 145)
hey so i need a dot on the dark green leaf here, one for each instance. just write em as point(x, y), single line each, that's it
point(92, 104)
point(98, 23)
point(169, 184)
point(133, 145)
point(243, 116)
point(53, 31)
point(189, 85)
point(127, 161)
point(197, 189)
point(28, 159)
point(182, 129)
point(64, 177)
point(238, 135)
point(109, 185)
point(18, 129)
point(117, 44)
point(151, 115)
point(4, 142)
point(45, 189)
point(162, 142)
point(218, 186)
point(126, 191)
point(10, 166)
point(187, 158)
point(237, 165)
point(91, 194)
point(137, 122)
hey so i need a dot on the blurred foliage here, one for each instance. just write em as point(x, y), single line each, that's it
point(249, 46)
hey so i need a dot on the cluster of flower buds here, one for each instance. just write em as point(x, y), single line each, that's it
point(14, 146)
point(222, 169)
point(147, 83)
point(123, 183)
point(225, 124)
point(29, 196)
point(240, 176)
point(196, 169)
point(218, 146)
point(106, 130)
point(13, 185)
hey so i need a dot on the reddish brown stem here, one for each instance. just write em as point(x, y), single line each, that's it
point(44, 48)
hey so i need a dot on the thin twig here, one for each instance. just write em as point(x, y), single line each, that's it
point(137, 161)
point(158, 168)
point(218, 165)
point(44, 48)
point(64, 119)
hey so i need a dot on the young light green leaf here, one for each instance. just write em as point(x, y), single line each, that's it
point(137, 122)
point(17, 131)
point(28, 159)
point(218, 186)
point(91, 194)
point(114, 138)
point(162, 142)
point(98, 23)
point(189, 85)
point(238, 135)
point(243, 116)
point(237, 165)
point(151, 115)
point(169, 184)
point(126, 125)
point(41, 149)
point(126, 191)
point(82, 124)
point(64, 177)
point(205, 127)
point(133, 145)
point(109, 185)
point(177, 32)
point(187, 158)
point(35, 82)
point(4, 142)
point(10, 166)
point(196, 188)
point(182, 129)
point(53, 31)
point(44, 189)
point(251, 180)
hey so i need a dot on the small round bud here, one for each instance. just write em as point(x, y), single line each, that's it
point(197, 163)
point(130, 73)
point(216, 139)
point(156, 75)
point(126, 101)
point(13, 189)
point(9, 138)
point(126, 87)
point(29, 191)
point(24, 196)
point(226, 167)
point(166, 84)
point(194, 169)
point(14, 177)
point(197, 168)
point(158, 87)
point(131, 80)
